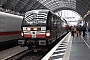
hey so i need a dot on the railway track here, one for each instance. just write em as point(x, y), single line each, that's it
point(17, 56)
point(33, 55)
point(30, 55)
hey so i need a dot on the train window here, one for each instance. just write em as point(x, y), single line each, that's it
point(36, 18)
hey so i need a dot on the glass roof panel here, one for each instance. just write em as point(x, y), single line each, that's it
point(54, 4)
point(70, 16)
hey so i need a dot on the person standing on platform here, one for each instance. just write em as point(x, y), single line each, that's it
point(77, 30)
point(72, 31)
point(84, 29)
point(80, 29)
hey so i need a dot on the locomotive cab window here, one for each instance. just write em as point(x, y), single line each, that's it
point(35, 19)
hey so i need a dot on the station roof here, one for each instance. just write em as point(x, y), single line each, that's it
point(21, 6)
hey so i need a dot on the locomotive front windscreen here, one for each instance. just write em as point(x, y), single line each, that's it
point(35, 19)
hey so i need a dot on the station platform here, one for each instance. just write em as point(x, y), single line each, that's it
point(4, 55)
point(71, 48)
point(80, 49)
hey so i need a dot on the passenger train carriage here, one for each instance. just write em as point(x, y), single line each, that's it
point(41, 28)
point(10, 27)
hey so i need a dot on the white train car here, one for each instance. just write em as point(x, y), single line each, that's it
point(10, 26)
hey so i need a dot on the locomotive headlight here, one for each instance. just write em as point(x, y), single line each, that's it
point(21, 34)
point(35, 29)
point(28, 29)
point(47, 34)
